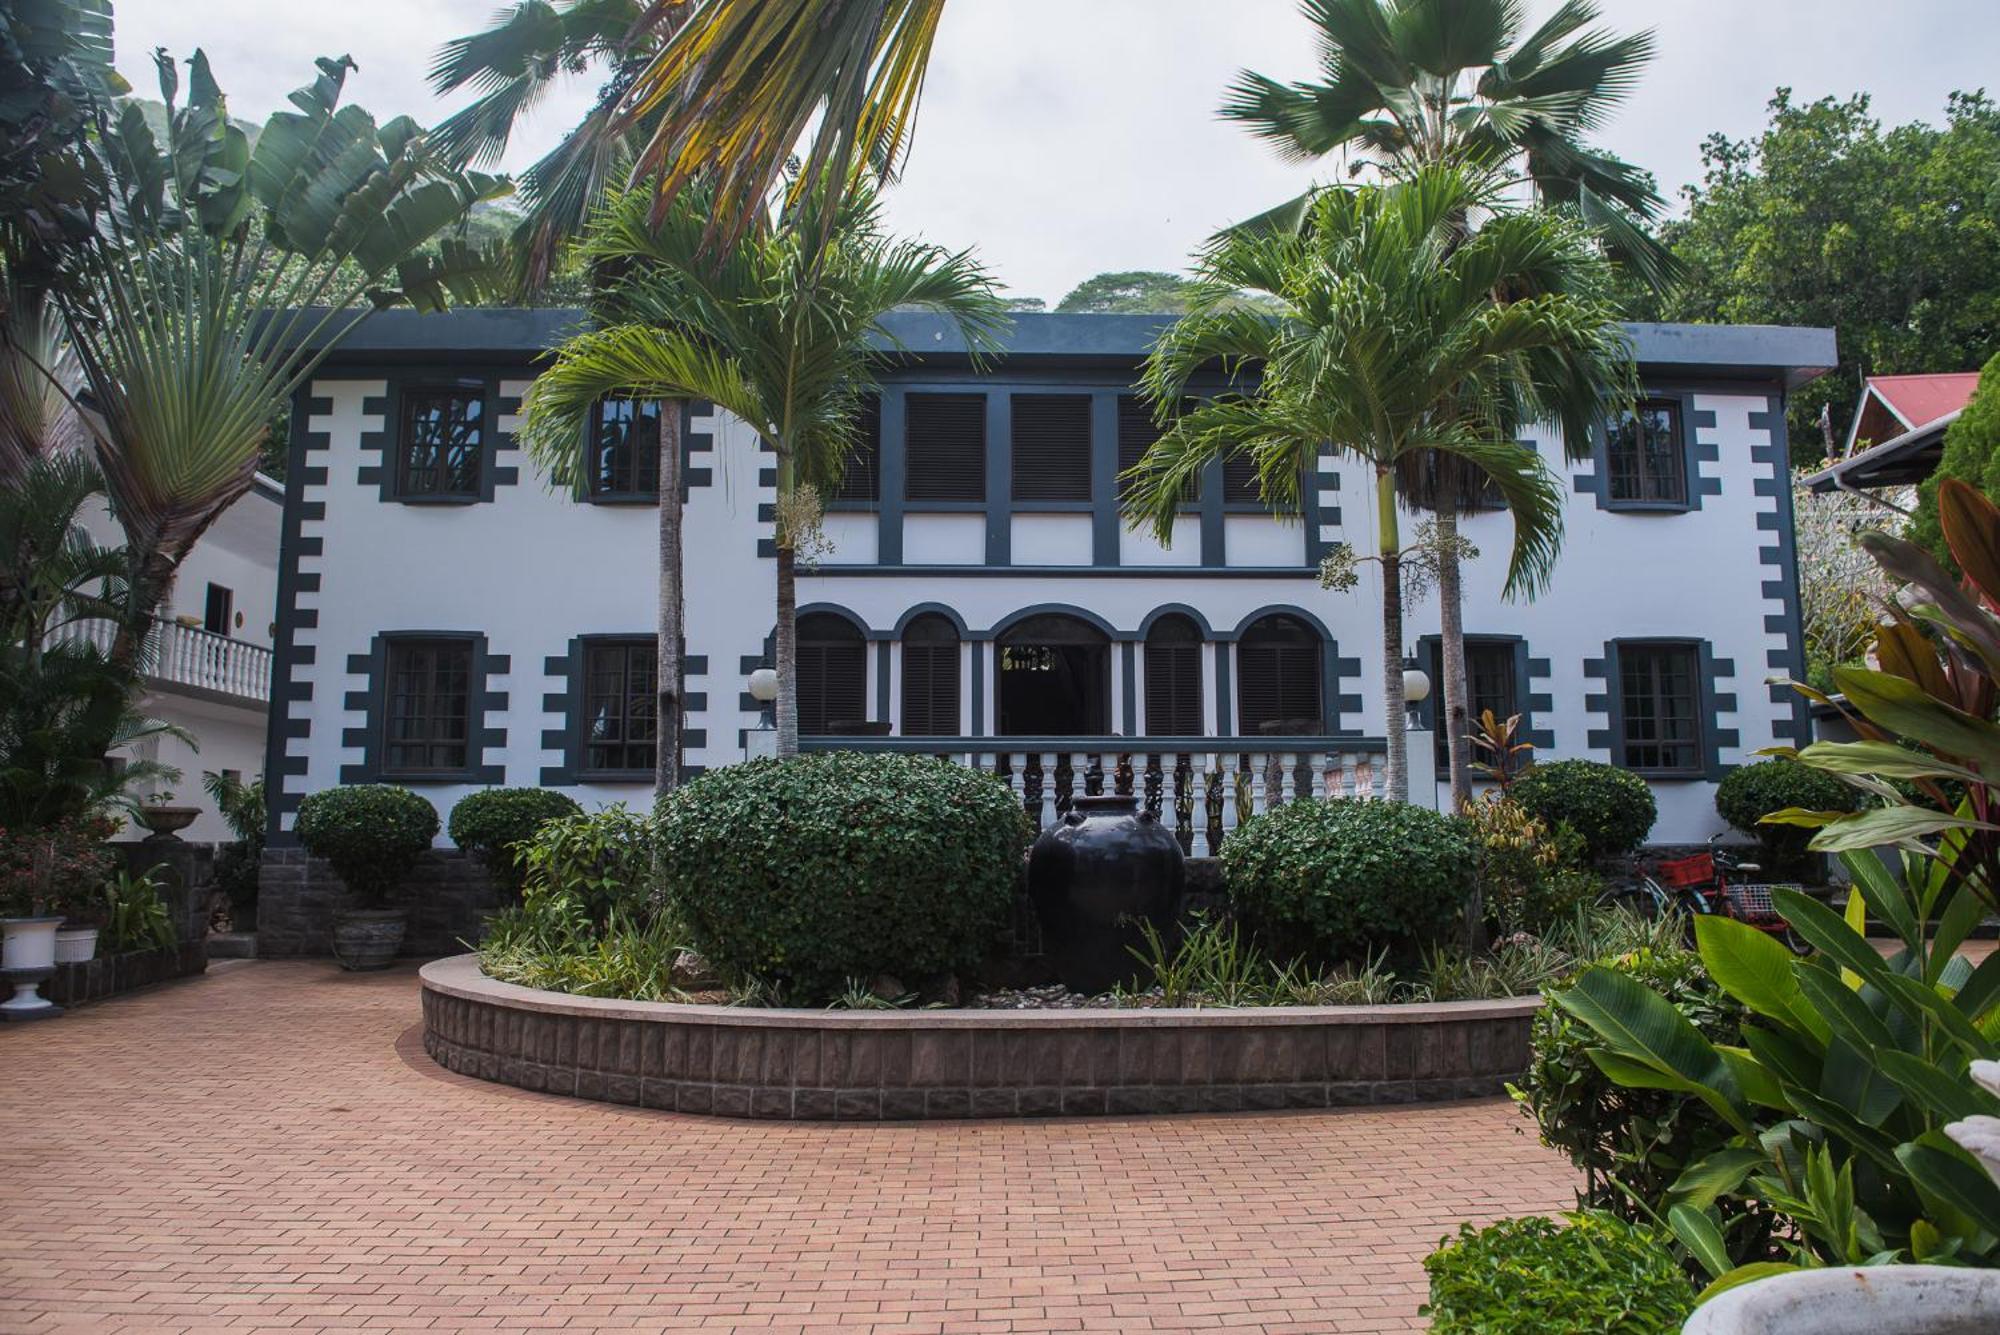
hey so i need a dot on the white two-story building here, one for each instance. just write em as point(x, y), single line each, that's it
point(447, 620)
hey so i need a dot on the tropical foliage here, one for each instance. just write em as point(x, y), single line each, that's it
point(1587, 1274)
point(1971, 454)
point(1390, 343)
point(1826, 218)
point(784, 330)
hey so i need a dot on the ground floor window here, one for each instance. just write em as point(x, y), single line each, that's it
point(427, 707)
point(1173, 678)
point(1490, 683)
point(930, 678)
point(620, 705)
point(832, 675)
point(1659, 686)
point(1278, 678)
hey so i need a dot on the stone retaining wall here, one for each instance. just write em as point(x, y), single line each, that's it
point(108, 975)
point(883, 1065)
point(449, 896)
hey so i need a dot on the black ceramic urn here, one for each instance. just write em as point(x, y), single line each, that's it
point(1097, 874)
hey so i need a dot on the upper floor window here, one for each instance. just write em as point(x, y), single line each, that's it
point(930, 677)
point(217, 610)
point(444, 435)
point(1051, 435)
point(832, 675)
point(1659, 690)
point(620, 705)
point(427, 706)
point(1137, 431)
point(861, 480)
point(1239, 480)
point(945, 455)
point(1278, 678)
point(1173, 678)
point(1646, 456)
point(625, 449)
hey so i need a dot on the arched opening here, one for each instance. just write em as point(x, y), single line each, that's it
point(1278, 679)
point(1173, 678)
point(1055, 678)
point(930, 677)
point(833, 675)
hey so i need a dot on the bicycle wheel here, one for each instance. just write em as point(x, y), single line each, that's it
point(1639, 898)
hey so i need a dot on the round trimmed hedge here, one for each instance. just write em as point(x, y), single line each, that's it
point(841, 865)
point(490, 822)
point(1342, 878)
point(1610, 809)
point(1749, 793)
point(372, 833)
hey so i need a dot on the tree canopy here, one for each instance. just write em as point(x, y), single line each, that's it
point(1892, 237)
point(1128, 292)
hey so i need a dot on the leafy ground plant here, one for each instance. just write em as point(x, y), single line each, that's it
point(1587, 1274)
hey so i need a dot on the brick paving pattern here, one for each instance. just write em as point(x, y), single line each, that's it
point(269, 1148)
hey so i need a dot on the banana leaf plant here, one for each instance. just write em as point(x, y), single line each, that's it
point(1856, 1064)
point(220, 274)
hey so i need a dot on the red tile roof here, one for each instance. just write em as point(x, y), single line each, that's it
point(1921, 399)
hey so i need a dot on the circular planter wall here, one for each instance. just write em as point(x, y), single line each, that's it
point(874, 1065)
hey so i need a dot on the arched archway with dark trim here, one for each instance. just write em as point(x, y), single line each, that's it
point(1055, 677)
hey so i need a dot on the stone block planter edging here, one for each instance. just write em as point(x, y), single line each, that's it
point(852, 1065)
point(109, 975)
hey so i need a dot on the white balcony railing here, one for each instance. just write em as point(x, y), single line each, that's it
point(179, 655)
point(1201, 788)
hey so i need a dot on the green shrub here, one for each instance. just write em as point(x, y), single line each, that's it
point(237, 862)
point(1611, 810)
point(135, 917)
point(1640, 1138)
point(1749, 793)
point(491, 822)
point(810, 871)
point(1342, 879)
point(54, 868)
point(1587, 1274)
point(372, 833)
point(590, 865)
point(1528, 880)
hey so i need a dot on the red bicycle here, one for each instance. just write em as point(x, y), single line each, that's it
point(1705, 884)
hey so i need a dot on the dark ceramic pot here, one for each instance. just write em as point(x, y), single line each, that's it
point(368, 938)
point(1095, 876)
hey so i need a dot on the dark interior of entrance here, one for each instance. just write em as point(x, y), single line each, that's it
point(1055, 679)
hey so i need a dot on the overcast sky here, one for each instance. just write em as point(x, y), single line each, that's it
point(1064, 138)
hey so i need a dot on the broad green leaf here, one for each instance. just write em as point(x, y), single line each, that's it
point(1756, 969)
point(1788, 1056)
point(1884, 760)
point(1881, 893)
point(1703, 1239)
point(1855, 1081)
point(1946, 1174)
point(1759, 1084)
point(1886, 825)
point(1945, 1097)
point(1715, 1175)
point(1843, 1007)
point(1923, 1000)
point(1828, 932)
point(1981, 990)
point(1744, 1274)
point(1638, 1024)
point(1908, 710)
point(1955, 924)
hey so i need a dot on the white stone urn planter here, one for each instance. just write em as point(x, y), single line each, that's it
point(75, 945)
point(1873, 1300)
point(27, 956)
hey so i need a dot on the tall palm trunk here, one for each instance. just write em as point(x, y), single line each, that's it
point(1451, 636)
point(668, 678)
point(1395, 725)
point(787, 651)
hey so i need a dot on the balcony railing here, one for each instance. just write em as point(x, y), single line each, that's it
point(188, 656)
point(1202, 788)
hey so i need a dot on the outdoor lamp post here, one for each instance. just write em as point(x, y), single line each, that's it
point(762, 740)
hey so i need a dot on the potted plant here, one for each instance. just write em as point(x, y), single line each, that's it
point(373, 835)
point(39, 870)
point(160, 815)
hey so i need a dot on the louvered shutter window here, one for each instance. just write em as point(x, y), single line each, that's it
point(1278, 674)
point(862, 479)
point(1239, 480)
point(1051, 436)
point(1136, 434)
point(832, 674)
point(930, 678)
point(946, 447)
point(1173, 678)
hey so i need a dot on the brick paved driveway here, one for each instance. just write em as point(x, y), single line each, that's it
point(268, 1147)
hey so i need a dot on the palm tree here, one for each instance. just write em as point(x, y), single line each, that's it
point(217, 279)
point(720, 92)
point(781, 329)
point(1389, 343)
point(1412, 82)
